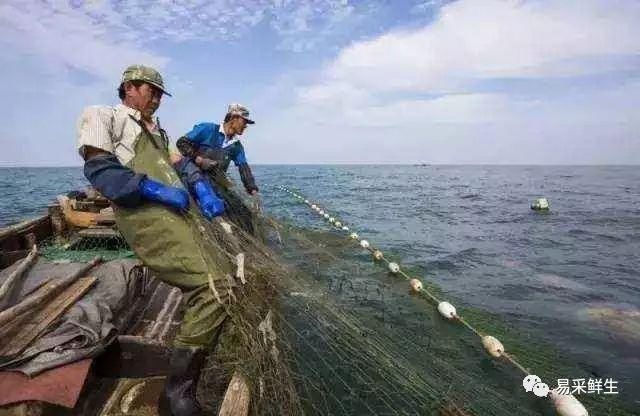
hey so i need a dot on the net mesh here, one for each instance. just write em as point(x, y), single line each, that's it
point(84, 249)
point(320, 330)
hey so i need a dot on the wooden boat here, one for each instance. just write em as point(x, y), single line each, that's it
point(127, 378)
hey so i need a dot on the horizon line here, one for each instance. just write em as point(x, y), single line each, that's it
point(424, 164)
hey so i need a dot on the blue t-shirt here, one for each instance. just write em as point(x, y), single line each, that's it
point(209, 135)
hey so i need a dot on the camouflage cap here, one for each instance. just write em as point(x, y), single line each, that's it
point(239, 110)
point(146, 74)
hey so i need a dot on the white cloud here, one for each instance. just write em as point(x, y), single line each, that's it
point(303, 25)
point(101, 36)
point(470, 42)
point(446, 93)
point(420, 86)
point(427, 6)
point(473, 40)
point(68, 38)
point(589, 127)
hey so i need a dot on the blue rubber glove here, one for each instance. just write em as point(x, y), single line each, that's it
point(210, 204)
point(168, 195)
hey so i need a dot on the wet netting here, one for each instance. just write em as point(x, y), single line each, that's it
point(315, 327)
point(86, 248)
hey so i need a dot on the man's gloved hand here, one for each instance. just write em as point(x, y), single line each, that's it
point(210, 204)
point(168, 195)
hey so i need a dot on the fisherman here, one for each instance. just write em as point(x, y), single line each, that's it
point(127, 159)
point(213, 146)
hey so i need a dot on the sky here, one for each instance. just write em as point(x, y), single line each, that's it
point(338, 81)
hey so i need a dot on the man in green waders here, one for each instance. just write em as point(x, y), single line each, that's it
point(127, 159)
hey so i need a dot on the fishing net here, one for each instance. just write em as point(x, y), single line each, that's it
point(320, 329)
point(84, 249)
point(360, 343)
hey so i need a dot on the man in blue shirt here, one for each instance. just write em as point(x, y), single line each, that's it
point(213, 146)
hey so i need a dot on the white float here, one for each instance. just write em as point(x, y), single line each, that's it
point(345, 228)
point(416, 285)
point(540, 204)
point(378, 255)
point(314, 206)
point(493, 346)
point(364, 244)
point(321, 212)
point(338, 224)
point(447, 310)
point(567, 404)
point(326, 215)
point(394, 268)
